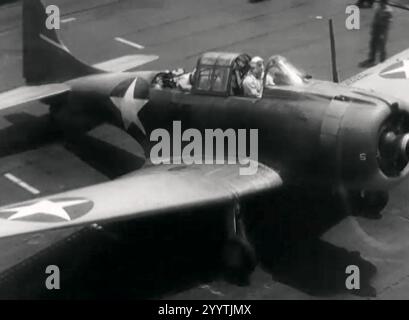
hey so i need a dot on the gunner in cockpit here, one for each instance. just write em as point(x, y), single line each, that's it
point(186, 80)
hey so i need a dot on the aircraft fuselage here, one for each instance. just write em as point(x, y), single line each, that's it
point(322, 134)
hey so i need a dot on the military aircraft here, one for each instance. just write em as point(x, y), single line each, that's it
point(346, 141)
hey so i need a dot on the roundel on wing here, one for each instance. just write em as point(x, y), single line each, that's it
point(398, 70)
point(141, 90)
point(48, 210)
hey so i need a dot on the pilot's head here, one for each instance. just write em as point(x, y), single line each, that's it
point(257, 66)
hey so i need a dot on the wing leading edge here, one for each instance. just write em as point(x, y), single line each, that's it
point(151, 191)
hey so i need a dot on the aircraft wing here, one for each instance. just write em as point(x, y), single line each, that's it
point(390, 77)
point(26, 94)
point(125, 63)
point(150, 191)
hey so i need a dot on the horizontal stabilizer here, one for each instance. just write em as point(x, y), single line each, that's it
point(26, 94)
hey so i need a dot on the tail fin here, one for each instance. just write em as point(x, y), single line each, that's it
point(45, 58)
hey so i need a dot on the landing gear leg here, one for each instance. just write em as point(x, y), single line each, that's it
point(371, 204)
point(238, 256)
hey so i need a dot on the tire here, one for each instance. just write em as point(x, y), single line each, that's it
point(374, 201)
point(371, 205)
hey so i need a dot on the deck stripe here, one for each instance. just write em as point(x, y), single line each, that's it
point(68, 20)
point(21, 183)
point(129, 43)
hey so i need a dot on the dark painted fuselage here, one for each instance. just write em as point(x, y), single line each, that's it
point(319, 134)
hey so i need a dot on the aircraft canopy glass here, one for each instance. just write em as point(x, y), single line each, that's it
point(280, 72)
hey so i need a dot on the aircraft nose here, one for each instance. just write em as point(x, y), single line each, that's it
point(394, 141)
point(392, 144)
point(404, 145)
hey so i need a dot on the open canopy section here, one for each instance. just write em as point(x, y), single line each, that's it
point(280, 72)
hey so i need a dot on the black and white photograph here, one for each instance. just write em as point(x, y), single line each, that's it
point(191, 150)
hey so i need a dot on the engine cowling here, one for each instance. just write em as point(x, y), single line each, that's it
point(370, 142)
point(380, 153)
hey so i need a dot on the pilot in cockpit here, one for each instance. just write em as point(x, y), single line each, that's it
point(240, 69)
point(253, 81)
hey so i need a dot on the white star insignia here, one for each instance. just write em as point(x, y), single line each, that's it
point(130, 107)
point(404, 68)
point(45, 207)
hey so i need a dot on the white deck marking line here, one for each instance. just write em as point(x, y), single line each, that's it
point(21, 183)
point(68, 20)
point(129, 43)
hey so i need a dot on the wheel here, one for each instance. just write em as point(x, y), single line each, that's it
point(370, 204)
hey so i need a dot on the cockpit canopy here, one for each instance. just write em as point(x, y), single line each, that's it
point(217, 72)
point(280, 72)
point(223, 73)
